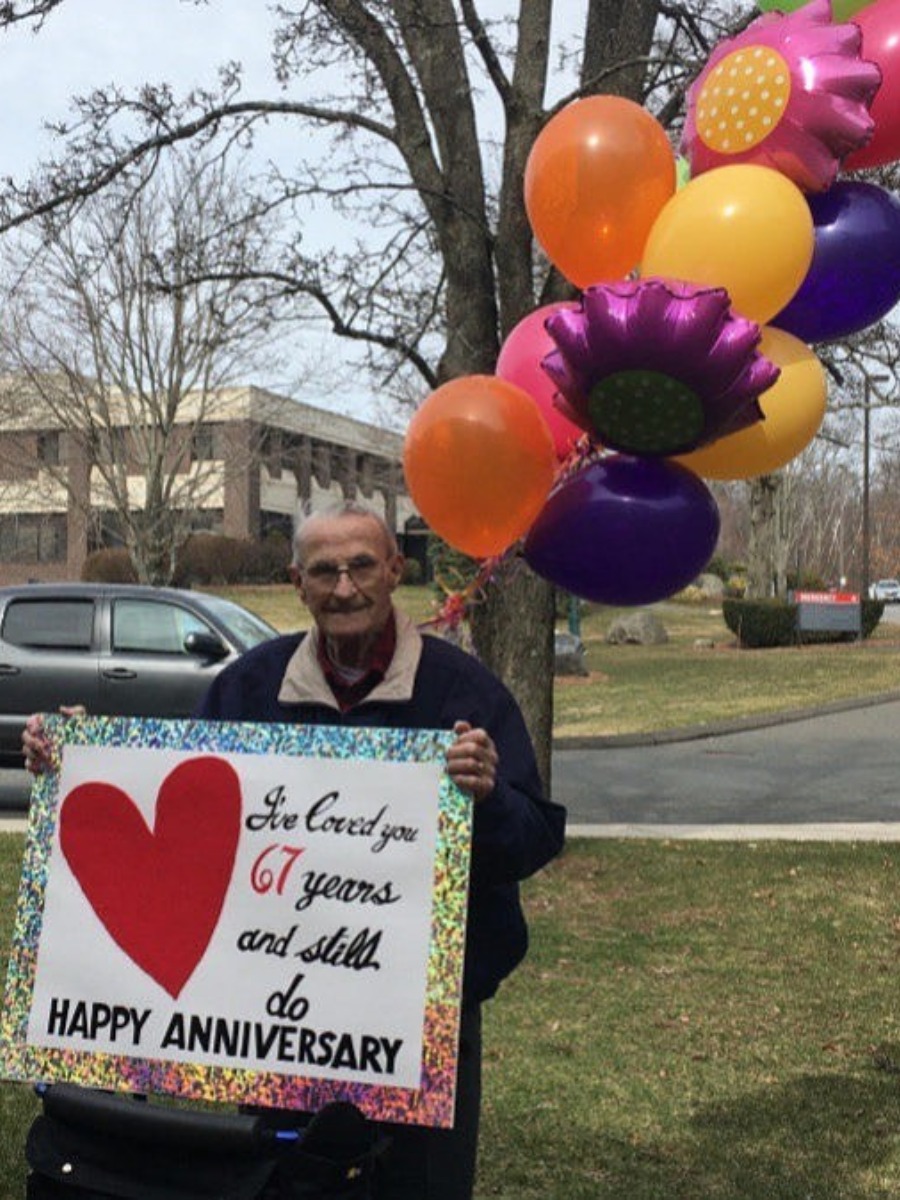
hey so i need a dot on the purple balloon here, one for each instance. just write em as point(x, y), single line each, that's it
point(625, 531)
point(854, 278)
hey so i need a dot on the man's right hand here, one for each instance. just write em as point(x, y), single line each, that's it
point(35, 747)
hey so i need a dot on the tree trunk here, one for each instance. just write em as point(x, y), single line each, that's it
point(782, 535)
point(513, 635)
point(767, 553)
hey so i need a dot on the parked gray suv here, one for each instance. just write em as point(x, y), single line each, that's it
point(119, 650)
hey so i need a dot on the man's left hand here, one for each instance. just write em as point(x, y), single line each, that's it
point(472, 761)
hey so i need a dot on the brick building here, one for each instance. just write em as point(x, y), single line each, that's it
point(263, 455)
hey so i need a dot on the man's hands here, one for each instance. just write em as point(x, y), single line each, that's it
point(472, 761)
point(34, 740)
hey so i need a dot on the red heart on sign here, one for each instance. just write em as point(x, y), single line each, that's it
point(158, 892)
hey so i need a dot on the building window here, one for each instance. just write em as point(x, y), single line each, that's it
point(33, 537)
point(208, 520)
point(112, 446)
point(53, 542)
point(106, 531)
point(202, 444)
point(48, 448)
point(275, 523)
point(272, 452)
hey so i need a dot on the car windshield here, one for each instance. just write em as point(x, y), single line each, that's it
point(245, 626)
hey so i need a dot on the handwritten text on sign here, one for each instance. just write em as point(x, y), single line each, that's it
point(264, 918)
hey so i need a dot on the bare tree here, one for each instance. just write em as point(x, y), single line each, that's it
point(113, 343)
point(826, 513)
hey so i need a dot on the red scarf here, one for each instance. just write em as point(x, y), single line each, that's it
point(349, 694)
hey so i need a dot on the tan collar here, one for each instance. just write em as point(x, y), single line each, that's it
point(304, 683)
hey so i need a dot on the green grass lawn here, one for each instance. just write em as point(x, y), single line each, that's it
point(701, 1021)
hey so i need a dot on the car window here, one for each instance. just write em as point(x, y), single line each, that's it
point(149, 626)
point(249, 629)
point(57, 624)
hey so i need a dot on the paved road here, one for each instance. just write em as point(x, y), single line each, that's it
point(13, 791)
point(834, 769)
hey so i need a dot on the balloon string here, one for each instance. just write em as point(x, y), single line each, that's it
point(583, 451)
point(458, 602)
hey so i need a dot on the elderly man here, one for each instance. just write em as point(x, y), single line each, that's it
point(365, 664)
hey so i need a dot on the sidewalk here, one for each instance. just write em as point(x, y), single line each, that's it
point(862, 831)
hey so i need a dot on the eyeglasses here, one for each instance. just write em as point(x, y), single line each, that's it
point(362, 570)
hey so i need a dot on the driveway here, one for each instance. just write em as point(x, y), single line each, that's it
point(841, 768)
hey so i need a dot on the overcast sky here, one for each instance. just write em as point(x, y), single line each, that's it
point(87, 43)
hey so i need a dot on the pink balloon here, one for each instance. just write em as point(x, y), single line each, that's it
point(880, 28)
point(520, 363)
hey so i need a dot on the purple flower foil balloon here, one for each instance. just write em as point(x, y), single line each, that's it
point(790, 93)
point(655, 367)
point(626, 531)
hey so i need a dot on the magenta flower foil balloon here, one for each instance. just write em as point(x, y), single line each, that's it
point(791, 92)
point(624, 531)
point(652, 367)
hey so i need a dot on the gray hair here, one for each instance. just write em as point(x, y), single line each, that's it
point(335, 511)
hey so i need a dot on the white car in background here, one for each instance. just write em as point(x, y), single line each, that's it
point(887, 590)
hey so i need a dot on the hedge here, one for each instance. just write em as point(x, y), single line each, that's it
point(204, 559)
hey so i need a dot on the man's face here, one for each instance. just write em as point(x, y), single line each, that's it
point(347, 575)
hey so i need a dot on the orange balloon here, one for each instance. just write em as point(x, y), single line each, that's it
point(596, 178)
point(794, 407)
point(479, 462)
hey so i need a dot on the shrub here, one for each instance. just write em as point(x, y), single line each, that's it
point(759, 623)
point(692, 594)
point(266, 561)
point(208, 558)
point(412, 572)
point(736, 585)
point(212, 558)
point(720, 566)
point(109, 565)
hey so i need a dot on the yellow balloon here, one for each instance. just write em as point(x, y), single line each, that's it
point(745, 228)
point(793, 407)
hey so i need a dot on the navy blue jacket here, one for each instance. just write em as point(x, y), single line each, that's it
point(515, 830)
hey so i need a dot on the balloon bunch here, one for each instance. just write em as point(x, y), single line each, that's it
point(703, 279)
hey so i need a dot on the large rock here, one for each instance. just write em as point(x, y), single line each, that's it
point(710, 586)
point(568, 655)
point(641, 628)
